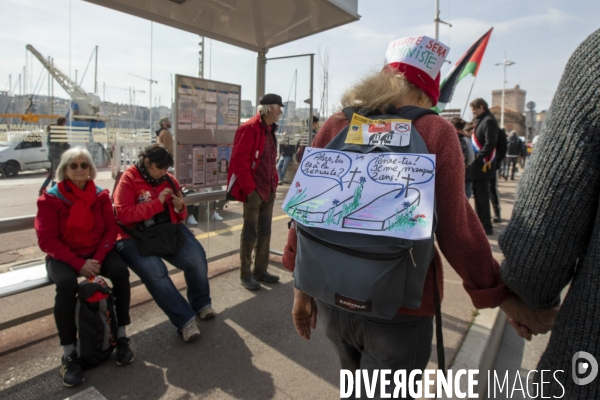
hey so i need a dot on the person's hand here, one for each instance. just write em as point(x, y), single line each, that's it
point(90, 268)
point(178, 202)
point(163, 195)
point(526, 320)
point(304, 314)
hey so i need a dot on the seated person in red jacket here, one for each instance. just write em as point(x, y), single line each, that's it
point(144, 197)
point(77, 230)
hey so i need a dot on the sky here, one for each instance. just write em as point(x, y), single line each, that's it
point(538, 35)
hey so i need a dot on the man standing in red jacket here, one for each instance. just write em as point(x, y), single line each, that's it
point(252, 179)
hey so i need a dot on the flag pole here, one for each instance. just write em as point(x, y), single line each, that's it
point(468, 97)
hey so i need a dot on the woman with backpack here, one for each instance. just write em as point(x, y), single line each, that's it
point(149, 204)
point(370, 343)
point(77, 230)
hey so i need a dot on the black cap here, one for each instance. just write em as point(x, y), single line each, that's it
point(271, 99)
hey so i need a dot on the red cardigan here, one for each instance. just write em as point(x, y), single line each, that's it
point(459, 233)
point(136, 200)
point(50, 226)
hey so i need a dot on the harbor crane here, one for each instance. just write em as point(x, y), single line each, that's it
point(88, 104)
point(151, 81)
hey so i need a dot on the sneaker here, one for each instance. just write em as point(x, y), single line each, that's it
point(124, 354)
point(191, 220)
point(71, 372)
point(216, 217)
point(266, 277)
point(207, 313)
point(190, 331)
point(250, 283)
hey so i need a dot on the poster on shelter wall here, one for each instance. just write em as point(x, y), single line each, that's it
point(385, 194)
point(199, 108)
point(211, 165)
point(199, 165)
point(223, 159)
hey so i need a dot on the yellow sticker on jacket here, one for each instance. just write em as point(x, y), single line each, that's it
point(383, 132)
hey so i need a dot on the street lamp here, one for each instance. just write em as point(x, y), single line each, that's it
point(505, 63)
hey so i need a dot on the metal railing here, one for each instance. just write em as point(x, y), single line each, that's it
point(14, 224)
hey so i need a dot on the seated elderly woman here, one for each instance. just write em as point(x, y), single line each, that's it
point(77, 229)
point(148, 197)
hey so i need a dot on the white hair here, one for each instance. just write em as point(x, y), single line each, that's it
point(266, 109)
point(71, 155)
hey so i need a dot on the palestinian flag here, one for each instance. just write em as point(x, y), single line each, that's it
point(468, 64)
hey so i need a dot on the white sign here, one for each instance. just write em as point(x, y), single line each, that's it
point(421, 52)
point(385, 194)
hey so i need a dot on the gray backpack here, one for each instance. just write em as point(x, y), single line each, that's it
point(366, 274)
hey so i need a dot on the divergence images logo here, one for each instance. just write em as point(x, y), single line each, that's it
point(580, 367)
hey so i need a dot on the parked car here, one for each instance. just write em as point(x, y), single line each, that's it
point(29, 153)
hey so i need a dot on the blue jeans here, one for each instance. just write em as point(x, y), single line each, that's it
point(282, 166)
point(153, 273)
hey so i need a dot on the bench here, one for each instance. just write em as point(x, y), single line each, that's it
point(24, 277)
point(33, 275)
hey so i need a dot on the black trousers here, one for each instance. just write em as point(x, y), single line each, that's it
point(369, 343)
point(481, 192)
point(65, 278)
point(494, 195)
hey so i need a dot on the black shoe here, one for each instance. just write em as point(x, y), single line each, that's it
point(71, 372)
point(497, 219)
point(266, 277)
point(250, 283)
point(124, 354)
point(489, 232)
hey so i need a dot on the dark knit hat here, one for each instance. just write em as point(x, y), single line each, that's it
point(271, 99)
point(420, 60)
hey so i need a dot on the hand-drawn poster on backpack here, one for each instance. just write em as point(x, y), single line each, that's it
point(385, 194)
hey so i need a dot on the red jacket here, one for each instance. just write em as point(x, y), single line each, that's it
point(248, 146)
point(459, 233)
point(51, 221)
point(136, 200)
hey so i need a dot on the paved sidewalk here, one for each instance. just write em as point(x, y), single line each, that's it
point(250, 351)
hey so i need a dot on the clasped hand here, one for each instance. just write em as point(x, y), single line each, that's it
point(526, 320)
point(90, 268)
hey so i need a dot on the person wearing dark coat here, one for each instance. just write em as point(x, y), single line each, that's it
point(501, 146)
point(483, 169)
point(551, 241)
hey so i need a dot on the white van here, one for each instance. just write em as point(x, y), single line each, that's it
point(28, 153)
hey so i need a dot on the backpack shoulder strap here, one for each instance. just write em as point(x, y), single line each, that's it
point(413, 113)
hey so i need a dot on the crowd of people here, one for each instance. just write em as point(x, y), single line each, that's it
point(549, 241)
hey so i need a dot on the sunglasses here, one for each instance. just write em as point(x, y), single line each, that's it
point(75, 165)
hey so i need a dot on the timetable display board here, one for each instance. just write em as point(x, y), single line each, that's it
point(206, 117)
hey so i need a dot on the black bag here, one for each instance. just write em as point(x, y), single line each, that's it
point(162, 239)
point(96, 322)
point(158, 240)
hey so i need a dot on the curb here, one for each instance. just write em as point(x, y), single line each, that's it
point(480, 347)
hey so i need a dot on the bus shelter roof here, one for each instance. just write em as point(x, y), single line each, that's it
point(256, 25)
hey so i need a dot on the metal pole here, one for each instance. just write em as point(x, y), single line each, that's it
point(503, 87)
point(437, 19)
point(52, 62)
point(150, 94)
point(310, 113)
point(261, 71)
point(96, 73)
point(468, 97)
